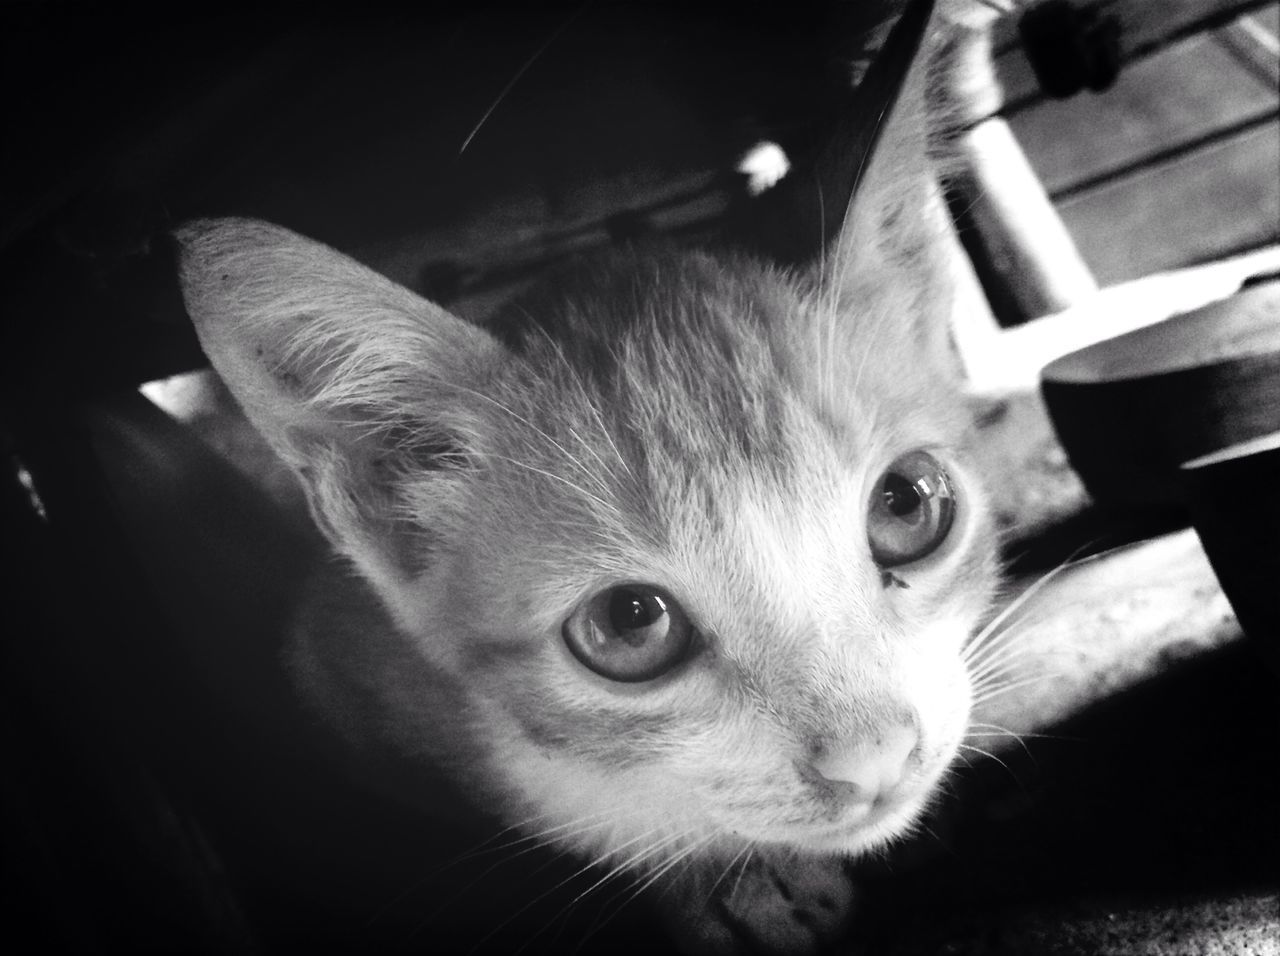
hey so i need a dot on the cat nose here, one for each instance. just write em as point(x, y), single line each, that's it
point(874, 767)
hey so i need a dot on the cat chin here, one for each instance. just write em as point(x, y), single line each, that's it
point(877, 831)
point(881, 826)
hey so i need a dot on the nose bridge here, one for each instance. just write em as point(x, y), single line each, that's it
point(852, 682)
point(864, 734)
point(836, 684)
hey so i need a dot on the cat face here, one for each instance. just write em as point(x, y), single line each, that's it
point(697, 552)
point(688, 543)
point(682, 600)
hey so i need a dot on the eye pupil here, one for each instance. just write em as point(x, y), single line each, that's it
point(901, 497)
point(629, 610)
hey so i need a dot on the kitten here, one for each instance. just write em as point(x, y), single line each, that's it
point(676, 557)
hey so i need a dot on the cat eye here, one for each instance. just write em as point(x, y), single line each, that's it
point(633, 632)
point(911, 510)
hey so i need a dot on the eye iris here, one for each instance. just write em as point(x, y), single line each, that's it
point(629, 633)
point(911, 511)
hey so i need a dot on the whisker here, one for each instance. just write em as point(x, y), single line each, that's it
point(1011, 631)
point(743, 872)
point(1002, 733)
point(629, 863)
point(995, 682)
point(987, 753)
point(537, 841)
point(477, 850)
point(1002, 661)
point(990, 628)
point(482, 848)
point(519, 73)
point(621, 868)
point(991, 643)
point(727, 870)
point(562, 832)
point(686, 855)
point(931, 831)
point(453, 900)
point(990, 694)
point(1022, 736)
point(613, 873)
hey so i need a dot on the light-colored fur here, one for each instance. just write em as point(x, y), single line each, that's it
point(700, 421)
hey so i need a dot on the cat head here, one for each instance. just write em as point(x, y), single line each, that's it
point(692, 538)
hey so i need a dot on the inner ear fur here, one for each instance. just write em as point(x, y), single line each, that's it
point(866, 217)
point(895, 233)
point(357, 383)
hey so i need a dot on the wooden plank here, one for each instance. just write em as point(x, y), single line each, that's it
point(1023, 255)
point(1144, 28)
point(1201, 205)
point(1255, 40)
point(1011, 359)
point(1186, 92)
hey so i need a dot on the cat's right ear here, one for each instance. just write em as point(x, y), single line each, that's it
point(865, 216)
point(361, 386)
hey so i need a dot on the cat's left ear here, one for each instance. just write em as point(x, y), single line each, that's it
point(367, 391)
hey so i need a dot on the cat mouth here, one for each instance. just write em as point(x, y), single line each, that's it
point(857, 829)
point(845, 811)
point(873, 826)
point(875, 823)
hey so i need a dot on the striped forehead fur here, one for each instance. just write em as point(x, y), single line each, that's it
point(709, 365)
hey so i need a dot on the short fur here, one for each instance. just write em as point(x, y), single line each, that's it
point(701, 421)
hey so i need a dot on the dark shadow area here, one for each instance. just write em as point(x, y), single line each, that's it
point(1148, 819)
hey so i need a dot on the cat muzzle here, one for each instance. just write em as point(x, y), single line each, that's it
point(869, 772)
